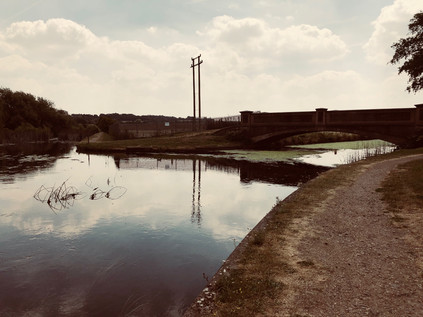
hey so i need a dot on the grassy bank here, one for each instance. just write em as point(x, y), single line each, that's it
point(205, 141)
point(180, 143)
point(247, 282)
point(403, 192)
point(320, 137)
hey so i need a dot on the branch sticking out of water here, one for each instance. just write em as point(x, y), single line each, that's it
point(57, 198)
point(64, 196)
point(114, 193)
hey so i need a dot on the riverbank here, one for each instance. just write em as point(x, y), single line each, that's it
point(196, 142)
point(339, 246)
point(204, 142)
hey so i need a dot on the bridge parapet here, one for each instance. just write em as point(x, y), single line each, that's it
point(324, 117)
point(405, 116)
point(250, 118)
point(396, 125)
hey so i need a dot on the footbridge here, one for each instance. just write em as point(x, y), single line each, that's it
point(400, 126)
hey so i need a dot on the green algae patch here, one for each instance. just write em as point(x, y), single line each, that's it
point(267, 156)
point(353, 145)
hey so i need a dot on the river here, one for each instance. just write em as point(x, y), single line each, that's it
point(98, 235)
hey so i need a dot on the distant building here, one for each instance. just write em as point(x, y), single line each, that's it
point(236, 118)
point(133, 130)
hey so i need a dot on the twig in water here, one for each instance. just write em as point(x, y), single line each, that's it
point(58, 198)
point(64, 196)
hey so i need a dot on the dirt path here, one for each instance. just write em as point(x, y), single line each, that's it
point(98, 137)
point(350, 260)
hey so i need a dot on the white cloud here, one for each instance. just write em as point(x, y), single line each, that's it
point(389, 27)
point(16, 63)
point(67, 63)
point(248, 63)
point(264, 92)
point(56, 38)
point(254, 37)
point(330, 89)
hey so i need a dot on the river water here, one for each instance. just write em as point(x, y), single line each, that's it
point(95, 235)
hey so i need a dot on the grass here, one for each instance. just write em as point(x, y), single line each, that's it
point(251, 286)
point(319, 137)
point(181, 142)
point(403, 189)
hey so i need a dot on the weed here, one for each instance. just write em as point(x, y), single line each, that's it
point(246, 294)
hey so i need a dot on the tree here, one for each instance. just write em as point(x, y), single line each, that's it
point(411, 50)
point(104, 122)
point(26, 117)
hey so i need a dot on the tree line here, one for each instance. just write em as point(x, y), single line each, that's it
point(24, 117)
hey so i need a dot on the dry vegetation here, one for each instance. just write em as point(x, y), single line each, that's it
point(403, 192)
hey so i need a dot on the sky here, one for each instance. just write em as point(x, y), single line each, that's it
point(134, 56)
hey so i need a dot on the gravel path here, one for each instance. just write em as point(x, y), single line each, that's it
point(350, 260)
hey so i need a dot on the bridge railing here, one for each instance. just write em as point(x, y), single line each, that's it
point(323, 117)
point(249, 118)
point(380, 117)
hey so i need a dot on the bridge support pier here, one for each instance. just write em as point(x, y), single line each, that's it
point(246, 118)
point(321, 116)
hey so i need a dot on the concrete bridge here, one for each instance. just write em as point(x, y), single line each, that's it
point(400, 126)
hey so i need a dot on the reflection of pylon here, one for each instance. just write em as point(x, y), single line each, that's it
point(196, 199)
point(193, 65)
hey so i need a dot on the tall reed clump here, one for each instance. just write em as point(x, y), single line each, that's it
point(368, 150)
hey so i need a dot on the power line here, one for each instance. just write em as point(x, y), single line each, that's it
point(196, 62)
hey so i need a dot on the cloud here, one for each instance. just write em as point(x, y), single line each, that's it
point(254, 37)
point(66, 62)
point(55, 38)
point(389, 27)
point(248, 64)
point(332, 89)
point(270, 93)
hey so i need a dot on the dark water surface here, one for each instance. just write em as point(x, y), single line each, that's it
point(123, 236)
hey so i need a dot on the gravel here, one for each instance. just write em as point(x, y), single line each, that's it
point(358, 262)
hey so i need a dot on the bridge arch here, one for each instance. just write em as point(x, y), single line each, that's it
point(267, 138)
point(398, 126)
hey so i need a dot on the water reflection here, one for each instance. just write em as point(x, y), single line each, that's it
point(283, 173)
point(143, 254)
point(332, 158)
point(22, 160)
point(287, 174)
point(196, 200)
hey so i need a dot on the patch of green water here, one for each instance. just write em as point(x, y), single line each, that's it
point(267, 156)
point(353, 145)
